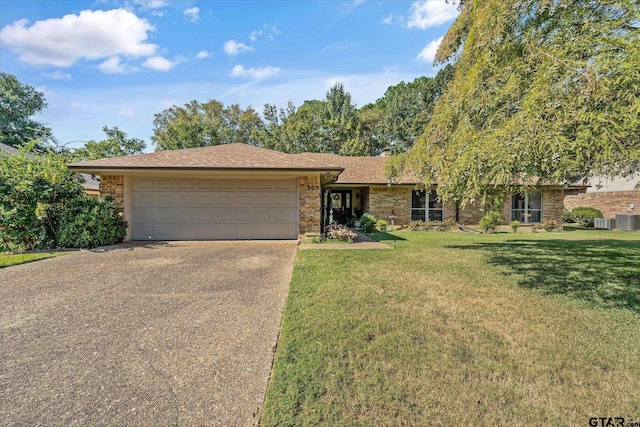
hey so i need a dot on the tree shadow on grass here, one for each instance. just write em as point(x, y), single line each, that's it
point(380, 236)
point(604, 273)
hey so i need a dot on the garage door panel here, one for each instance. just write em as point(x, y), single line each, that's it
point(205, 209)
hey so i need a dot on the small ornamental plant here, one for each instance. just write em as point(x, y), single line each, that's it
point(340, 232)
point(514, 225)
point(490, 221)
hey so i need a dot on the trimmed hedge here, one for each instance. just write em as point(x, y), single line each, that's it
point(585, 215)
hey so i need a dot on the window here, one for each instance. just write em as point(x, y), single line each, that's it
point(526, 207)
point(426, 206)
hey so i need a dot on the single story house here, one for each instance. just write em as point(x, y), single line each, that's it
point(91, 183)
point(610, 196)
point(238, 191)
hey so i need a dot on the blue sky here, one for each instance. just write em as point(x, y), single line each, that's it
point(118, 62)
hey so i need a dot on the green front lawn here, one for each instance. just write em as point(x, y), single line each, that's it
point(7, 260)
point(460, 329)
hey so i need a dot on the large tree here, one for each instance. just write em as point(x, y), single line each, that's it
point(407, 108)
point(543, 90)
point(117, 144)
point(18, 103)
point(203, 124)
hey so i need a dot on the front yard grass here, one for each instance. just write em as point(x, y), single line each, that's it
point(7, 260)
point(460, 329)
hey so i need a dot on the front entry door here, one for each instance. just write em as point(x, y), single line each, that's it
point(341, 206)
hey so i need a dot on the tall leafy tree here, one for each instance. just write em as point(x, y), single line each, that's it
point(203, 124)
point(542, 90)
point(117, 144)
point(407, 108)
point(18, 103)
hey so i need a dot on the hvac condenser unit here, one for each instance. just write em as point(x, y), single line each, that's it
point(628, 222)
point(605, 223)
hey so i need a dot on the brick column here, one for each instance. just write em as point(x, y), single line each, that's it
point(113, 185)
point(310, 197)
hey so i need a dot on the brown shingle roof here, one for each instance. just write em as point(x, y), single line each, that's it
point(358, 169)
point(225, 157)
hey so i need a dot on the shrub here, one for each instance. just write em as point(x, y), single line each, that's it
point(368, 223)
point(88, 223)
point(514, 225)
point(567, 216)
point(416, 225)
point(381, 225)
point(340, 232)
point(34, 191)
point(441, 225)
point(585, 215)
point(490, 221)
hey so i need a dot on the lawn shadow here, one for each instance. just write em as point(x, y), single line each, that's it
point(605, 273)
point(380, 236)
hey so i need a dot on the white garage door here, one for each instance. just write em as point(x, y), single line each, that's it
point(213, 209)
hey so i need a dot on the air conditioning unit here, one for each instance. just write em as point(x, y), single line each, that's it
point(605, 223)
point(628, 222)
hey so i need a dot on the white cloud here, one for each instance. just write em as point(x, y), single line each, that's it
point(58, 75)
point(89, 35)
point(234, 48)
point(254, 35)
point(127, 113)
point(158, 13)
point(428, 54)
point(255, 73)
point(203, 54)
point(430, 13)
point(158, 63)
point(193, 13)
point(113, 66)
point(388, 19)
point(151, 4)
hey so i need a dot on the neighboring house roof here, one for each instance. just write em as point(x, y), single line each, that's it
point(90, 182)
point(235, 156)
point(359, 169)
point(603, 184)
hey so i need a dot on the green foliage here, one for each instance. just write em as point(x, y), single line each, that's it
point(202, 125)
point(416, 225)
point(542, 90)
point(514, 225)
point(382, 225)
point(18, 103)
point(567, 216)
point(89, 222)
point(406, 108)
point(490, 221)
point(117, 144)
point(42, 206)
point(585, 215)
point(368, 223)
point(34, 190)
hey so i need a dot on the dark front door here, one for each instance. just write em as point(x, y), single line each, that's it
point(341, 206)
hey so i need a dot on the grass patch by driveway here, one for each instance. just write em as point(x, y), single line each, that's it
point(535, 328)
point(7, 260)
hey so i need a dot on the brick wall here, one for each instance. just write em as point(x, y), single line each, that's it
point(609, 204)
point(310, 197)
point(387, 201)
point(552, 204)
point(552, 207)
point(113, 185)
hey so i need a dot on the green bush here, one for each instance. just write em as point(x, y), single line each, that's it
point(514, 225)
point(585, 215)
point(567, 216)
point(490, 221)
point(368, 223)
point(34, 191)
point(88, 223)
point(382, 225)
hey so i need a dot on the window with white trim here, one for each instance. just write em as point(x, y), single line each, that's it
point(426, 206)
point(526, 207)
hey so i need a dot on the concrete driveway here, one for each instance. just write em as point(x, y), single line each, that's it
point(179, 333)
